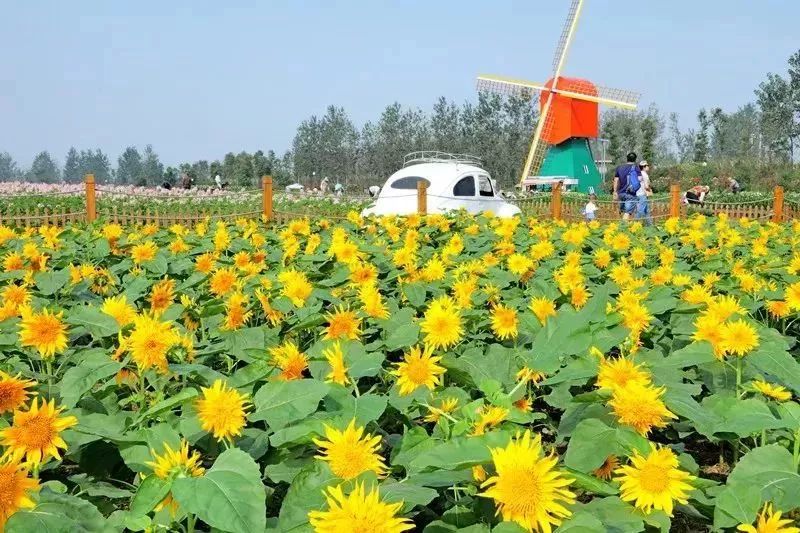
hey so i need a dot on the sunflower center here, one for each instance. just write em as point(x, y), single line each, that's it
point(418, 372)
point(37, 432)
point(654, 478)
point(522, 489)
point(10, 396)
point(8, 489)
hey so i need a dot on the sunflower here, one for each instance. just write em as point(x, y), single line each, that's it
point(655, 481)
point(173, 464)
point(296, 286)
point(222, 281)
point(527, 488)
point(15, 296)
point(13, 392)
point(769, 521)
point(351, 452)
point(34, 433)
point(119, 309)
point(335, 358)
point(221, 411)
point(708, 329)
point(446, 407)
point(602, 258)
point(776, 392)
point(526, 375)
point(150, 341)
point(161, 295)
point(205, 263)
point(15, 489)
point(358, 511)
point(778, 308)
point(236, 313)
point(291, 361)
point(791, 296)
point(504, 322)
point(738, 338)
point(342, 324)
point(489, 417)
point(615, 373)
point(519, 264)
point(417, 369)
point(640, 406)
point(372, 301)
point(606, 470)
point(144, 252)
point(696, 294)
point(441, 323)
point(543, 307)
point(722, 307)
point(13, 261)
point(44, 331)
point(579, 295)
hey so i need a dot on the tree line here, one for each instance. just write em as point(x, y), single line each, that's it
point(759, 143)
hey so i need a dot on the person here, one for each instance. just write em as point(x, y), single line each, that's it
point(697, 194)
point(643, 194)
point(186, 181)
point(337, 189)
point(374, 190)
point(218, 181)
point(626, 184)
point(323, 185)
point(733, 185)
point(590, 209)
point(166, 185)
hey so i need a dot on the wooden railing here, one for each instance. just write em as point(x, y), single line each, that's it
point(553, 204)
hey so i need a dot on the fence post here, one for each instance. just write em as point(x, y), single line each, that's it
point(674, 200)
point(555, 201)
point(777, 205)
point(422, 197)
point(266, 197)
point(91, 206)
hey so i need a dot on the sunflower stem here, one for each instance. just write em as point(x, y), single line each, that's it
point(48, 366)
point(142, 395)
point(738, 377)
point(763, 437)
point(191, 521)
point(796, 449)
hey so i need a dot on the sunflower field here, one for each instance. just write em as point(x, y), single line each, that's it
point(435, 374)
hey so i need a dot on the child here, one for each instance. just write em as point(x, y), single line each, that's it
point(591, 208)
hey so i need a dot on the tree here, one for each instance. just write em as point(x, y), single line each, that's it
point(261, 165)
point(701, 139)
point(43, 169)
point(95, 163)
point(8, 168)
point(152, 172)
point(778, 128)
point(171, 175)
point(72, 167)
point(129, 166)
point(683, 141)
point(215, 169)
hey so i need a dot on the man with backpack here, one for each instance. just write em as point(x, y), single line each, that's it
point(627, 182)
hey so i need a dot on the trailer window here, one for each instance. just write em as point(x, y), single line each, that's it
point(408, 182)
point(485, 186)
point(465, 187)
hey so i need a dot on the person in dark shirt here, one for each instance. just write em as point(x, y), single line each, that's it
point(621, 188)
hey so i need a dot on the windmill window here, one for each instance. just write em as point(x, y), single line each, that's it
point(408, 182)
point(485, 186)
point(465, 187)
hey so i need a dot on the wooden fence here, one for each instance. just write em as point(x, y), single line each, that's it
point(553, 204)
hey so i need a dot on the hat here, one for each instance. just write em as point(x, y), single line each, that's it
point(643, 163)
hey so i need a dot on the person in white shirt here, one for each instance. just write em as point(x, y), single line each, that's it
point(643, 194)
point(218, 181)
point(590, 209)
point(374, 190)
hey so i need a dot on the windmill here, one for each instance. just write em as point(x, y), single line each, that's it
point(568, 115)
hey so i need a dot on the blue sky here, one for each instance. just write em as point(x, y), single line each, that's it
point(199, 79)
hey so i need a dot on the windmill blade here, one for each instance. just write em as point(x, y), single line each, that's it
point(538, 147)
point(603, 95)
point(567, 33)
point(508, 86)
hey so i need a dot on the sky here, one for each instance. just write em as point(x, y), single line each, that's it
point(197, 79)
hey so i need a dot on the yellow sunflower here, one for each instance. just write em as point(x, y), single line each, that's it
point(504, 322)
point(441, 323)
point(655, 481)
point(44, 331)
point(34, 433)
point(205, 263)
point(15, 489)
point(222, 411)
point(119, 309)
point(146, 251)
point(150, 341)
point(738, 338)
point(776, 392)
point(172, 464)
point(606, 470)
point(13, 392)
point(335, 358)
point(358, 511)
point(447, 406)
point(342, 324)
point(161, 295)
point(614, 373)
point(489, 416)
point(639, 406)
point(769, 521)
point(543, 307)
point(417, 369)
point(296, 286)
point(351, 452)
point(290, 360)
point(236, 313)
point(528, 488)
point(222, 281)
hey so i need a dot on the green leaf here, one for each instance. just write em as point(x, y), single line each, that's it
point(96, 322)
point(743, 417)
point(582, 522)
point(158, 265)
point(592, 484)
point(93, 366)
point(150, 493)
point(497, 363)
point(57, 513)
point(772, 468)
point(737, 504)
point(616, 515)
point(693, 354)
point(592, 441)
point(415, 293)
point(305, 494)
point(403, 337)
point(283, 402)
point(460, 452)
point(229, 496)
point(778, 363)
point(49, 283)
point(364, 409)
point(411, 495)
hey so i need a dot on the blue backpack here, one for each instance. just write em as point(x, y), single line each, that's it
point(633, 180)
